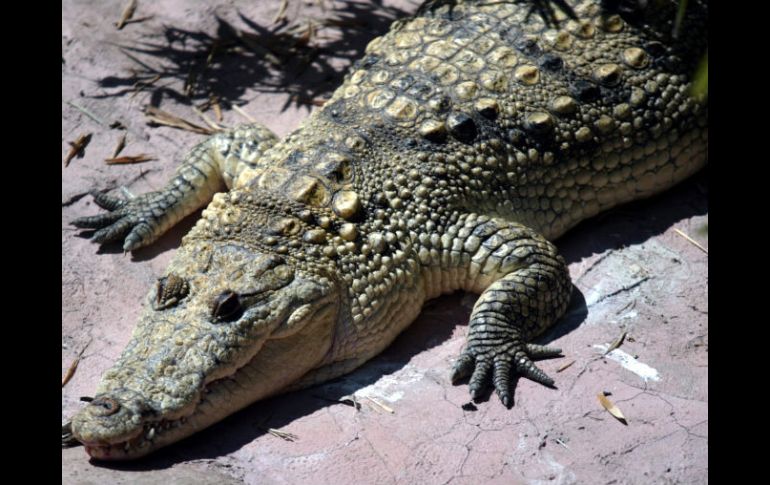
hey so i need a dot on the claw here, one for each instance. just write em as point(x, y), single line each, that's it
point(478, 382)
point(107, 202)
point(536, 351)
point(502, 381)
point(528, 369)
point(113, 232)
point(96, 222)
point(137, 237)
point(462, 368)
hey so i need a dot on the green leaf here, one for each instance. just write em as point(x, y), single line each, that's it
point(700, 83)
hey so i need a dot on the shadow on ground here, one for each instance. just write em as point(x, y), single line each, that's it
point(306, 57)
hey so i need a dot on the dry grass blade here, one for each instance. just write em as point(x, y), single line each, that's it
point(129, 159)
point(611, 408)
point(73, 366)
point(617, 343)
point(120, 146)
point(253, 42)
point(138, 19)
point(88, 113)
point(565, 366)
point(128, 12)
point(77, 148)
point(307, 35)
point(141, 85)
point(243, 113)
point(381, 405)
point(561, 443)
point(217, 109)
point(143, 64)
point(281, 15)
point(691, 240)
point(160, 117)
point(206, 120)
point(628, 305)
point(282, 435)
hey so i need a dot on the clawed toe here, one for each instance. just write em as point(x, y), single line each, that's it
point(501, 367)
point(462, 368)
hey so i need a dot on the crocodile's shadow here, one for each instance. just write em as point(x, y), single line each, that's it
point(629, 224)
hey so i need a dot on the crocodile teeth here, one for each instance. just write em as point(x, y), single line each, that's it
point(127, 446)
point(150, 434)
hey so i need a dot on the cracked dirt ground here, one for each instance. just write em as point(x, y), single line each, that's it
point(632, 270)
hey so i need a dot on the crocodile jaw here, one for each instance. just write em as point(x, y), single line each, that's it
point(185, 368)
point(279, 363)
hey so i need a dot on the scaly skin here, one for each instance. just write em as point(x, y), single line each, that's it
point(466, 139)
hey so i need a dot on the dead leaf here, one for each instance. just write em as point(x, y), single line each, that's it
point(128, 12)
point(351, 400)
point(129, 159)
point(73, 366)
point(77, 148)
point(302, 100)
point(565, 366)
point(617, 343)
point(611, 408)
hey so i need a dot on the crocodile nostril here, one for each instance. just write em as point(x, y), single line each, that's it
point(171, 290)
point(105, 406)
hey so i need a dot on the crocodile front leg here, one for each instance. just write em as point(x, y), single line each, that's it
point(211, 166)
point(529, 293)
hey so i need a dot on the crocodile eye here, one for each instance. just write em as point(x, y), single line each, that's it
point(106, 405)
point(226, 307)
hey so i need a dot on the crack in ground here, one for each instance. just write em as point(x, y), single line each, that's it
point(74, 198)
point(676, 421)
point(621, 290)
point(382, 460)
point(593, 265)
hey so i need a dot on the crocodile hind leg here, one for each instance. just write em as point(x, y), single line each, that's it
point(210, 167)
point(529, 291)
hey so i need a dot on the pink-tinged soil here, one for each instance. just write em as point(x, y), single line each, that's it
point(634, 275)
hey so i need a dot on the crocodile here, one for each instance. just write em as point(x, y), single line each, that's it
point(466, 139)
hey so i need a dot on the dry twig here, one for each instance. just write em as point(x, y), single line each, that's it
point(161, 117)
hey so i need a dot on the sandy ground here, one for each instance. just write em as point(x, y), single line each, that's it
point(632, 271)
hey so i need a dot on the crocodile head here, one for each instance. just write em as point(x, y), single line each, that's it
point(227, 325)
